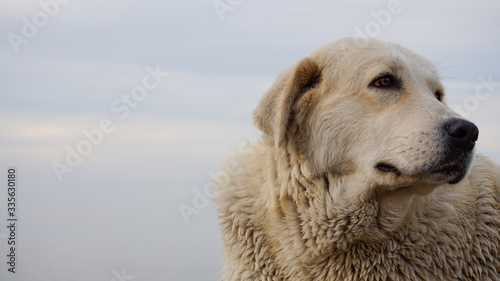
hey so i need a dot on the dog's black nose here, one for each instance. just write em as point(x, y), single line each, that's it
point(462, 133)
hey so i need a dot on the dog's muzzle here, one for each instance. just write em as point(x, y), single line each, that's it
point(458, 141)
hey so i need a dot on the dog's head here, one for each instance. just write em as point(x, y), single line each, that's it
point(369, 108)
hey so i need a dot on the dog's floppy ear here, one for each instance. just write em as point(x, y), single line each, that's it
point(273, 114)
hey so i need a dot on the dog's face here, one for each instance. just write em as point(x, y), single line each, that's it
point(369, 108)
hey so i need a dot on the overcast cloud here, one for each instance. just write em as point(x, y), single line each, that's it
point(117, 212)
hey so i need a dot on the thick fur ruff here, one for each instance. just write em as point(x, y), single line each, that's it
point(293, 207)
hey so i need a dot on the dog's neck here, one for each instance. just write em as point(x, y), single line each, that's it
point(356, 212)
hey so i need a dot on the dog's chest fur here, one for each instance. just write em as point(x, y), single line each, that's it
point(272, 236)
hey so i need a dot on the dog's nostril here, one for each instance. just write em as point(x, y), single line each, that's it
point(462, 132)
point(458, 133)
point(476, 136)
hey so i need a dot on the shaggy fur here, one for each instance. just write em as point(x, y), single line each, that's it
point(353, 181)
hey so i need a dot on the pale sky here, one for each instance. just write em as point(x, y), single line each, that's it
point(137, 103)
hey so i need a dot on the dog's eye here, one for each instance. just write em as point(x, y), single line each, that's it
point(386, 81)
point(439, 95)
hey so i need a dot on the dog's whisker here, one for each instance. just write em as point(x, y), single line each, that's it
point(456, 79)
point(448, 67)
point(387, 153)
point(427, 112)
point(397, 152)
point(436, 70)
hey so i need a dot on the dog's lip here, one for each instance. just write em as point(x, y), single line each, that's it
point(386, 168)
point(452, 169)
point(447, 168)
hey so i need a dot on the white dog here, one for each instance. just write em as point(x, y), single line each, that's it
point(361, 173)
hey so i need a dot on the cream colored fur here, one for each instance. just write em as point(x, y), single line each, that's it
point(306, 201)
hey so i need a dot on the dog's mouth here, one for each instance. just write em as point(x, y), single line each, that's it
point(454, 171)
point(387, 168)
point(451, 172)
